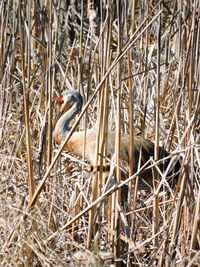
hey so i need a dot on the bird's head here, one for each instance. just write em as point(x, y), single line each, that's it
point(68, 100)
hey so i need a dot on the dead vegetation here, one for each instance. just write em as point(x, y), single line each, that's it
point(136, 63)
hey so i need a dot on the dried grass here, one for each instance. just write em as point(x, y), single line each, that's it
point(51, 46)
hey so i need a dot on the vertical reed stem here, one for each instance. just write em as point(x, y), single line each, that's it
point(26, 88)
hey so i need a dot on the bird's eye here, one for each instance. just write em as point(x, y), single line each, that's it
point(60, 100)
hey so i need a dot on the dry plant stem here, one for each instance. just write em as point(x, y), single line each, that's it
point(105, 129)
point(35, 26)
point(120, 56)
point(80, 87)
point(92, 229)
point(31, 186)
point(85, 97)
point(151, 206)
point(81, 31)
point(49, 86)
point(131, 152)
point(97, 201)
point(131, 123)
point(99, 178)
point(178, 212)
point(194, 260)
point(94, 195)
point(194, 241)
point(156, 153)
point(117, 222)
point(133, 246)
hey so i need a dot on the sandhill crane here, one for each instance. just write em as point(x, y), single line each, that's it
point(70, 103)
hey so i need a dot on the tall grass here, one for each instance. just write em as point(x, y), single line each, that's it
point(136, 63)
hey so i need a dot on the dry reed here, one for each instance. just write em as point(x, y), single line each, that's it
point(136, 63)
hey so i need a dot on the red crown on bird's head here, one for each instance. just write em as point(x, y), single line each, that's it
point(60, 99)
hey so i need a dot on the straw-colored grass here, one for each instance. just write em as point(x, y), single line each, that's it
point(136, 63)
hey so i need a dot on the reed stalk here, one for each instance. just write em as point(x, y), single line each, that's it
point(136, 64)
point(25, 64)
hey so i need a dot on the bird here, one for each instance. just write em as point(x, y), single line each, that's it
point(70, 103)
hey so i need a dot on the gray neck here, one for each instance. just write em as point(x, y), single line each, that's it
point(62, 125)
